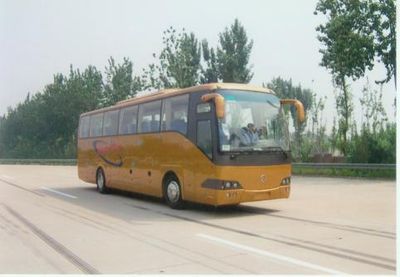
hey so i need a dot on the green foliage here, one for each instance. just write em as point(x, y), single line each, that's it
point(120, 83)
point(179, 62)
point(334, 137)
point(373, 111)
point(209, 73)
point(45, 125)
point(383, 15)
point(344, 108)
point(363, 173)
point(233, 54)
point(376, 142)
point(355, 33)
point(374, 147)
point(348, 51)
point(348, 45)
point(184, 62)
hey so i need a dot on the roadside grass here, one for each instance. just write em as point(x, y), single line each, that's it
point(345, 172)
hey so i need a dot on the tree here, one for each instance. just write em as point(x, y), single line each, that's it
point(285, 89)
point(334, 138)
point(373, 111)
point(179, 62)
point(356, 32)
point(383, 14)
point(209, 73)
point(120, 83)
point(348, 50)
point(45, 124)
point(318, 129)
point(151, 78)
point(233, 54)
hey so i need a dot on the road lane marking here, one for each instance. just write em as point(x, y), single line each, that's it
point(54, 244)
point(293, 243)
point(272, 255)
point(60, 193)
point(21, 188)
point(8, 177)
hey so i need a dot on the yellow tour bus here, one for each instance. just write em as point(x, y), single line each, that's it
point(216, 144)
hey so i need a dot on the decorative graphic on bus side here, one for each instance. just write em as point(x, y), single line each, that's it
point(105, 150)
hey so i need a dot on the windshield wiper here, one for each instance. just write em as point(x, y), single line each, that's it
point(277, 149)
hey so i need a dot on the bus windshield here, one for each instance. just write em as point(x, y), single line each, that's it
point(254, 121)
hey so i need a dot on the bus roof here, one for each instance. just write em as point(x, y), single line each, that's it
point(177, 91)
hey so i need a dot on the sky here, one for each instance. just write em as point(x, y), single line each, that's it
point(40, 38)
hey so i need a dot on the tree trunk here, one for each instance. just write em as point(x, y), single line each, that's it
point(346, 115)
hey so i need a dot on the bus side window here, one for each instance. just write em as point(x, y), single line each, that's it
point(204, 141)
point(84, 127)
point(110, 127)
point(175, 110)
point(149, 117)
point(96, 125)
point(128, 120)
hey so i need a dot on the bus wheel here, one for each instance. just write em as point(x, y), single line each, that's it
point(101, 181)
point(172, 192)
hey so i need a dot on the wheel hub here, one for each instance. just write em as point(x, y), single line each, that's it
point(173, 191)
point(100, 180)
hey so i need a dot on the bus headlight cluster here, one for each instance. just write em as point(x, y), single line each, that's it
point(285, 181)
point(221, 184)
point(230, 185)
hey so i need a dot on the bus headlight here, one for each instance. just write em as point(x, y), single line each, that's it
point(231, 185)
point(285, 181)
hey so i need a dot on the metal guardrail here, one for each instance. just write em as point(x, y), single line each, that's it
point(39, 161)
point(295, 165)
point(345, 166)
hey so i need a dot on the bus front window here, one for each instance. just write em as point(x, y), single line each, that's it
point(253, 121)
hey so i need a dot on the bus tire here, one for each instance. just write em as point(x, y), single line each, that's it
point(101, 181)
point(173, 192)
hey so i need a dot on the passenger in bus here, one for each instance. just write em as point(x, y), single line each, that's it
point(224, 134)
point(263, 132)
point(248, 135)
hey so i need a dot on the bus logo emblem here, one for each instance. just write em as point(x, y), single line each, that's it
point(263, 178)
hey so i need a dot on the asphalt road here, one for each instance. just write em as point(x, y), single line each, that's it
point(51, 222)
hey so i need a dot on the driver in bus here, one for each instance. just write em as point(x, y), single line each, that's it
point(248, 135)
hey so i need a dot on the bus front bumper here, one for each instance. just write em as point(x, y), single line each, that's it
point(231, 197)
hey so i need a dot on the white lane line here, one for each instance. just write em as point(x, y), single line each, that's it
point(8, 177)
point(272, 255)
point(60, 193)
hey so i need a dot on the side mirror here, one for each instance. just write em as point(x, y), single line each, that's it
point(219, 103)
point(298, 105)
